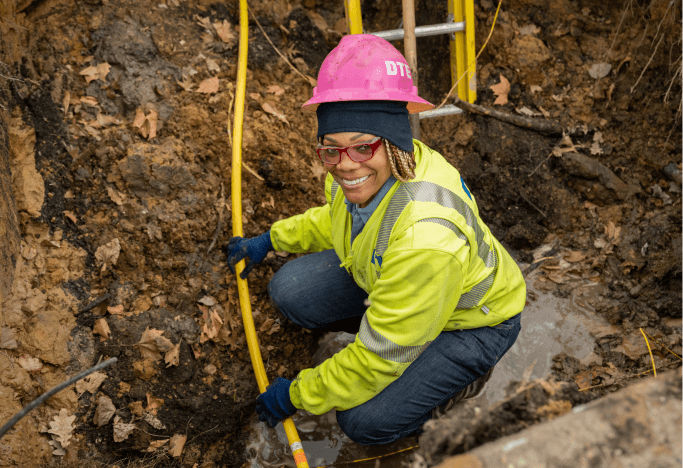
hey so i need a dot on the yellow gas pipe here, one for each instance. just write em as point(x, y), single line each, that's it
point(236, 190)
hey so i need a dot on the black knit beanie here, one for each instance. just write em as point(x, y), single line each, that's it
point(386, 119)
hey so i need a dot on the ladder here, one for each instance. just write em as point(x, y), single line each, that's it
point(459, 26)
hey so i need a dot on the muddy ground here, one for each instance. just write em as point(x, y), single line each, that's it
point(115, 181)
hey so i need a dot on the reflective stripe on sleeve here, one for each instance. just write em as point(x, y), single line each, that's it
point(384, 347)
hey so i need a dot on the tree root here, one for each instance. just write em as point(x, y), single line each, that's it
point(547, 127)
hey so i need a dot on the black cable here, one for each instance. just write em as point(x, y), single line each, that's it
point(8, 425)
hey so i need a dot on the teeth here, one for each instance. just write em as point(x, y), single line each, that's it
point(355, 181)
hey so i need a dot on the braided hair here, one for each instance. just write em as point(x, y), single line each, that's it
point(402, 162)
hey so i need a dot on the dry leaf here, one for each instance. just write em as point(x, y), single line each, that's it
point(122, 430)
point(29, 363)
point(104, 120)
point(146, 123)
point(153, 404)
point(172, 357)
point(185, 83)
point(599, 70)
point(156, 445)
point(225, 31)
point(501, 91)
point(115, 310)
point(208, 86)
point(108, 254)
point(269, 326)
point(152, 120)
point(8, 338)
point(612, 231)
point(98, 72)
point(208, 301)
point(526, 111)
point(66, 101)
point(61, 427)
point(212, 65)
point(104, 412)
point(176, 444)
point(275, 89)
point(152, 344)
point(136, 408)
point(212, 324)
point(272, 110)
point(89, 101)
point(141, 304)
point(101, 328)
point(153, 421)
point(145, 369)
point(90, 383)
point(57, 449)
point(139, 117)
point(574, 256)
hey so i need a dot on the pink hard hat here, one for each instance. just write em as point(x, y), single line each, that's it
point(364, 67)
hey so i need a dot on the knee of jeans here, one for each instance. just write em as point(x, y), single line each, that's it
point(285, 298)
point(362, 428)
point(279, 293)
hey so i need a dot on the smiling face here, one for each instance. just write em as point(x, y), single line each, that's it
point(359, 181)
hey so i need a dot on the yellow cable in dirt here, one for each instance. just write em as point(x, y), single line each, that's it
point(649, 350)
point(236, 190)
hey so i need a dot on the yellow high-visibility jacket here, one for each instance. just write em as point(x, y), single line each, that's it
point(428, 263)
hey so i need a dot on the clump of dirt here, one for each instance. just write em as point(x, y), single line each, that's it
point(529, 404)
point(126, 110)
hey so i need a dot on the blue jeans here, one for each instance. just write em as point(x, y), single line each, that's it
point(314, 292)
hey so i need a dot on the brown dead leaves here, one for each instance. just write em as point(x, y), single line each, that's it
point(153, 345)
point(61, 429)
point(272, 110)
point(90, 383)
point(108, 254)
point(101, 328)
point(209, 86)
point(501, 91)
point(122, 430)
point(146, 123)
point(225, 31)
point(176, 445)
point(104, 412)
point(213, 323)
point(96, 72)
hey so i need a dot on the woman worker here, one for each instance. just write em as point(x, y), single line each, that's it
point(401, 258)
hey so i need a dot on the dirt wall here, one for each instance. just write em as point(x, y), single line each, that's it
point(9, 227)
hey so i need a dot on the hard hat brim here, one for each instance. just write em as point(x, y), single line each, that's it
point(414, 104)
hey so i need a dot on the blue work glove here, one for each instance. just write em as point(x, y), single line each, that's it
point(256, 248)
point(274, 404)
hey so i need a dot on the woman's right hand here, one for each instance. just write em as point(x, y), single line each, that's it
point(256, 248)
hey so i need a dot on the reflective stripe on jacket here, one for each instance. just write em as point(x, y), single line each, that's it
point(428, 263)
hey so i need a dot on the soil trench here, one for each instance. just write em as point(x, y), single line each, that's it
point(115, 203)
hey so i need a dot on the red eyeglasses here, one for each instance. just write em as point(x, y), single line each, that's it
point(361, 152)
